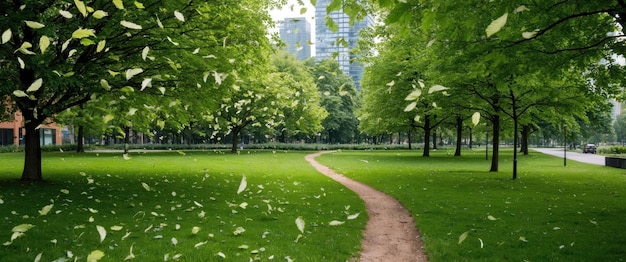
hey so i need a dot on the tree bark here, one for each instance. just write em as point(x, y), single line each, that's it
point(434, 139)
point(235, 143)
point(80, 140)
point(459, 135)
point(126, 139)
point(525, 137)
point(496, 143)
point(32, 150)
point(426, 136)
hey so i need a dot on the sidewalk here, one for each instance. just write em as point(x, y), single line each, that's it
point(580, 157)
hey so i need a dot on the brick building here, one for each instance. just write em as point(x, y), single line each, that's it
point(12, 132)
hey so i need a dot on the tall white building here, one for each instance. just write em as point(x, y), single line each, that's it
point(329, 44)
point(296, 33)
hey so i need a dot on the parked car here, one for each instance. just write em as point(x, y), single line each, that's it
point(589, 148)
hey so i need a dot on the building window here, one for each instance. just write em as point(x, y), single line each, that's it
point(48, 136)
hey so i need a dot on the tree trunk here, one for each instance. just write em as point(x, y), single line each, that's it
point(426, 136)
point(525, 137)
point(126, 139)
point(233, 148)
point(435, 139)
point(32, 150)
point(459, 135)
point(496, 143)
point(515, 142)
point(80, 140)
point(471, 140)
point(409, 137)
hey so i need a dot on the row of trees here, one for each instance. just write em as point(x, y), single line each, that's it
point(532, 63)
point(187, 66)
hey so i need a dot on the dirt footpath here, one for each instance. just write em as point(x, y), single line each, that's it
point(390, 233)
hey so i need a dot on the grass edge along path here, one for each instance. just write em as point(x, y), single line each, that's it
point(465, 213)
point(390, 233)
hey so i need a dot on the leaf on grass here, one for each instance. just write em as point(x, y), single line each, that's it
point(523, 239)
point(593, 222)
point(336, 223)
point(353, 216)
point(220, 254)
point(95, 256)
point(300, 224)
point(116, 228)
point(145, 186)
point(481, 243)
point(45, 210)
point(130, 255)
point(22, 228)
point(195, 230)
point(496, 25)
point(242, 185)
point(239, 231)
point(463, 236)
point(492, 218)
point(174, 241)
point(38, 257)
point(103, 233)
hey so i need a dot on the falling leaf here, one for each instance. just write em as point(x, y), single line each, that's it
point(300, 224)
point(66, 14)
point(463, 236)
point(496, 25)
point(130, 25)
point(44, 43)
point(24, 48)
point(6, 36)
point(146, 83)
point(242, 185)
point(95, 256)
point(172, 41)
point(101, 46)
point(529, 35)
point(103, 233)
point(476, 118)
point(436, 88)
point(481, 242)
point(34, 25)
point(119, 4)
point(105, 84)
point(159, 22)
point(130, 73)
point(490, 217)
point(521, 8)
point(179, 16)
point(35, 85)
point(336, 223)
point(197, 50)
point(414, 95)
point(392, 83)
point(145, 186)
point(81, 7)
point(82, 33)
point(100, 14)
point(410, 107)
point(45, 210)
point(20, 93)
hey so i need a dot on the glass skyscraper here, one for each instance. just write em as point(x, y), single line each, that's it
point(329, 44)
point(296, 33)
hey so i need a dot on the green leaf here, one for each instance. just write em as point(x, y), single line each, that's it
point(414, 95)
point(81, 7)
point(34, 25)
point(35, 85)
point(105, 84)
point(436, 88)
point(6, 36)
point(22, 228)
point(19, 93)
point(521, 8)
point(463, 236)
point(44, 43)
point(24, 48)
point(496, 25)
point(87, 42)
point(45, 210)
point(95, 255)
point(144, 53)
point(130, 25)
point(82, 33)
point(130, 73)
point(300, 224)
point(119, 4)
point(107, 118)
point(410, 107)
point(101, 46)
point(179, 16)
point(66, 14)
point(100, 14)
point(139, 5)
point(336, 223)
point(528, 35)
point(242, 185)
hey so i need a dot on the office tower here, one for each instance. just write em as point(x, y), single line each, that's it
point(296, 33)
point(329, 44)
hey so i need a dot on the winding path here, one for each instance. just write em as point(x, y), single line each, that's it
point(390, 233)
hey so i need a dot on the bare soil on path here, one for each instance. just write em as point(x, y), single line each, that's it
point(390, 233)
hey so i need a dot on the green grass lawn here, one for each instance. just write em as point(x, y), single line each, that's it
point(550, 213)
point(175, 206)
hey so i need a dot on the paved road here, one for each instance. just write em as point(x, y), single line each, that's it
point(580, 157)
